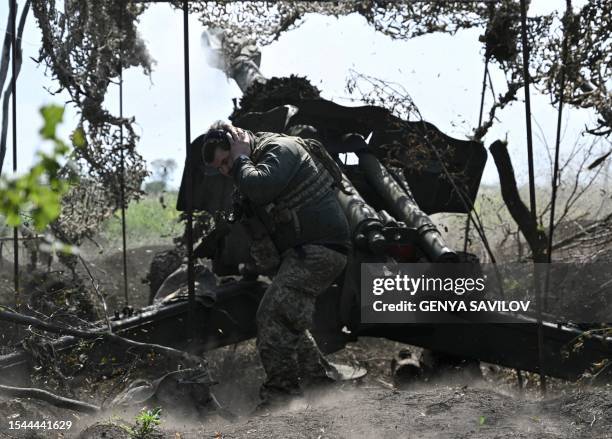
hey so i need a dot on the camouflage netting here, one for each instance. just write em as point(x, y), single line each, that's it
point(275, 92)
point(589, 66)
point(590, 30)
point(86, 43)
point(264, 21)
point(83, 208)
point(84, 46)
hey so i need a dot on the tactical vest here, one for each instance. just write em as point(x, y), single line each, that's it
point(284, 209)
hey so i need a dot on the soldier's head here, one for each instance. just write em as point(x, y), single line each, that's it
point(216, 146)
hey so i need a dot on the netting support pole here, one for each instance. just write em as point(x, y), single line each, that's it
point(482, 96)
point(14, 127)
point(532, 194)
point(555, 176)
point(122, 179)
point(189, 170)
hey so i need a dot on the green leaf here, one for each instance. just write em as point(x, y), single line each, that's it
point(41, 188)
point(482, 420)
point(12, 218)
point(78, 138)
point(52, 115)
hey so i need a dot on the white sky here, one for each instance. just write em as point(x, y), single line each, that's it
point(442, 73)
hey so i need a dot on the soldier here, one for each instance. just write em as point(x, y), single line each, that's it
point(291, 191)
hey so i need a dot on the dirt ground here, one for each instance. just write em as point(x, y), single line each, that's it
point(452, 407)
point(107, 269)
point(443, 410)
point(430, 412)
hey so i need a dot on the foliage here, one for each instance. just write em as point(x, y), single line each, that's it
point(39, 191)
point(147, 422)
point(586, 208)
point(155, 187)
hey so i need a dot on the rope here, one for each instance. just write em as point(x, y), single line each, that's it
point(188, 167)
point(532, 195)
point(122, 181)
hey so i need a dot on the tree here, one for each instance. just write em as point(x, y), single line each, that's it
point(161, 173)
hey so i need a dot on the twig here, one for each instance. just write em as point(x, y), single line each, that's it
point(100, 296)
point(603, 223)
point(22, 238)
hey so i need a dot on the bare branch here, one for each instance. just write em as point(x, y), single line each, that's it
point(122, 342)
point(44, 395)
point(94, 284)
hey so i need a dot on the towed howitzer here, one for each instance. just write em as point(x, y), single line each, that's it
point(388, 208)
point(406, 171)
point(402, 176)
point(386, 225)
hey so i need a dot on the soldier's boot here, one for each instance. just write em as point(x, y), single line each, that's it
point(315, 370)
point(278, 392)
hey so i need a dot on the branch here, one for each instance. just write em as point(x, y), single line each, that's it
point(98, 293)
point(43, 395)
point(510, 96)
point(535, 237)
point(604, 224)
point(122, 342)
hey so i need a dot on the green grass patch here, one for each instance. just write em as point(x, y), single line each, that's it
point(153, 220)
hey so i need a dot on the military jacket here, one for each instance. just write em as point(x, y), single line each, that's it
point(291, 193)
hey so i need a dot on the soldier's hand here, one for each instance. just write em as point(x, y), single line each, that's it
point(239, 143)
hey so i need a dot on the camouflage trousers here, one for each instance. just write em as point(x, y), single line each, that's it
point(286, 348)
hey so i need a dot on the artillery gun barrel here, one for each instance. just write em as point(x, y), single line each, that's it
point(246, 72)
point(364, 221)
point(402, 206)
point(242, 64)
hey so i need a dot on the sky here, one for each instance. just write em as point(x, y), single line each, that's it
point(442, 73)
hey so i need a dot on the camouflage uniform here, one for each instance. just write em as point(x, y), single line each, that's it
point(285, 315)
point(292, 194)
